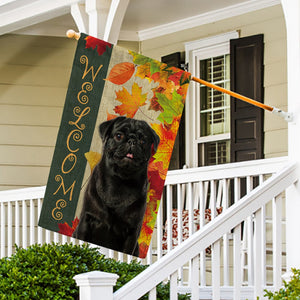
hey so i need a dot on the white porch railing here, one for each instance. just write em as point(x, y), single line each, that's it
point(187, 191)
point(251, 206)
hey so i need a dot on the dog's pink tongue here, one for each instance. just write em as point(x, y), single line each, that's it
point(129, 155)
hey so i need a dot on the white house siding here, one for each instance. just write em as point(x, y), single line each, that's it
point(33, 79)
point(271, 23)
point(34, 75)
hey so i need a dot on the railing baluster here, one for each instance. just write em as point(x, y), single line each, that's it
point(17, 223)
point(202, 219)
point(179, 228)
point(48, 236)
point(237, 189)
point(237, 267)
point(120, 256)
point(152, 294)
point(215, 261)
point(225, 205)
point(190, 208)
point(249, 183)
point(24, 224)
point(277, 241)
point(263, 246)
point(194, 282)
point(169, 217)
point(191, 220)
point(173, 286)
point(40, 230)
point(9, 229)
point(2, 231)
point(258, 288)
point(32, 222)
point(212, 200)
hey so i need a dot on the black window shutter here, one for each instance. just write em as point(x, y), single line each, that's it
point(246, 78)
point(178, 156)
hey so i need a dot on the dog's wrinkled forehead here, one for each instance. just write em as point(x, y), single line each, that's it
point(131, 126)
point(127, 125)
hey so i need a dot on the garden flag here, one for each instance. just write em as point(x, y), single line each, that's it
point(118, 128)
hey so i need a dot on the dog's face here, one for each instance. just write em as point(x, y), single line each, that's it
point(128, 144)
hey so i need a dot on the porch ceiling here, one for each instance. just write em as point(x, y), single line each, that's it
point(143, 19)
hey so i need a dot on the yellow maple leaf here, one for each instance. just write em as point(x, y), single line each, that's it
point(143, 71)
point(130, 102)
point(93, 158)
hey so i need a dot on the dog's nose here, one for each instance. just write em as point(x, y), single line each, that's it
point(131, 142)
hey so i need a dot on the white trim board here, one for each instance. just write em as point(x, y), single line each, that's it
point(206, 18)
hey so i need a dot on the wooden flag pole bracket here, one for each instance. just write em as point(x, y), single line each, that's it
point(71, 34)
point(285, 115)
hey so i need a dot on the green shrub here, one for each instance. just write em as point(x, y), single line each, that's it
point(290, 291)
point(46, 272)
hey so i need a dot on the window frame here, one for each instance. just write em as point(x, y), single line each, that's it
point(196, 51)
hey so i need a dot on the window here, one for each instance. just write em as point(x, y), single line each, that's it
point(214, 112)
point(208, 126)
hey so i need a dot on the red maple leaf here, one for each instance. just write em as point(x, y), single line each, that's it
point(176, 77)
point(92, 42)
point(66, 229)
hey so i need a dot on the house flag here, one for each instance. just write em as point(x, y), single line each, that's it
point(119, 124)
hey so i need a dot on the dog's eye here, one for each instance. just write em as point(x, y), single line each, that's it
point(142, 142)
point(119, 136)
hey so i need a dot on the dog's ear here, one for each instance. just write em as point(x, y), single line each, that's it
point(106, 127)
point(155, 139)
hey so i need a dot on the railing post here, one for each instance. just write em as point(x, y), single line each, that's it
point(96, 285)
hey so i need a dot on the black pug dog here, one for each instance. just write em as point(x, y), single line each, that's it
point(115, 197)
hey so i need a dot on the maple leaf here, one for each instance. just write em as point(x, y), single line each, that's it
point(66, 229)
point(92, 42)
point(185, 78)
point(176, 76)
point(167, 135)
point(130, 102)
point(143, 249)
point(121, 73)
point(143, 71)
point(93, 158)
point(110, 116)
point(157, 174)
point(183, 90)
point(171, 108)
point(139, 59)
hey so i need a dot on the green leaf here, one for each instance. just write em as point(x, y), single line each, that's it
point(171, 108)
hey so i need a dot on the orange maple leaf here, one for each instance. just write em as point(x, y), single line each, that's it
point(130, 102)
point(110, 116)
point(167, 135)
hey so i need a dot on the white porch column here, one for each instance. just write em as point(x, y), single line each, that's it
point(105, 18)
point(96, 285)
point(98, 12)
point(292, 18)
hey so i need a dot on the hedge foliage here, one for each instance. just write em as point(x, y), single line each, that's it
point(46, 272)
point(290, 291)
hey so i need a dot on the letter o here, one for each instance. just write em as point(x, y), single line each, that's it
point(71, 157)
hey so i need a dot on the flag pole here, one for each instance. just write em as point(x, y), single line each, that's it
point(286, 115)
